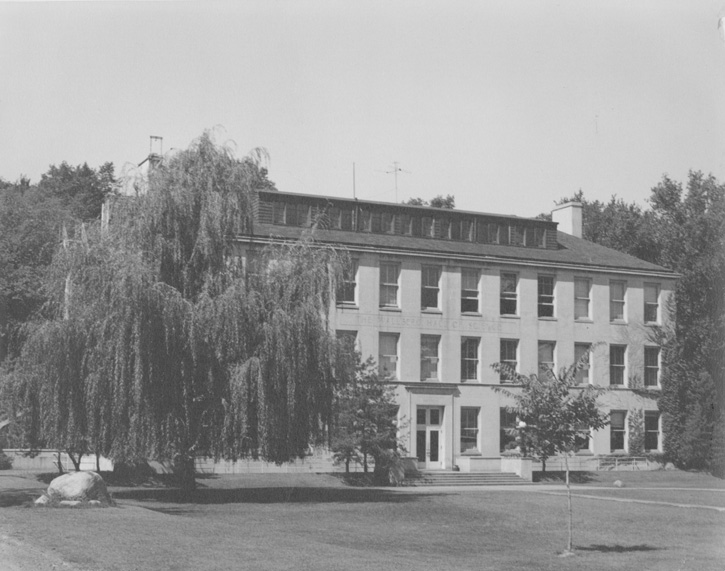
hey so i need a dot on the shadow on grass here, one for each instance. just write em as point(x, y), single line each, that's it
point(10, 498)
point(560, 477)
point(265, 495)
point(619, 548)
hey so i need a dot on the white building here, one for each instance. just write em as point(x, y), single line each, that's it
point(439, 295)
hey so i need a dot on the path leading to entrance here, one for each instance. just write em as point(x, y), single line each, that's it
point(559, 490)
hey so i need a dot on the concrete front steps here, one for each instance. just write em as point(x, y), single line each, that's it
point(445, 478)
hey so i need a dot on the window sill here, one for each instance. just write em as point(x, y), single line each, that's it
point(432, 310)
point(469, 381)
point(547, 318)
point(618, 387)
point(618, 322)
point(390, 308)
point(509, 316)
point(652, 324)
point(347, 306)
point(583, 320)
point(471, 314)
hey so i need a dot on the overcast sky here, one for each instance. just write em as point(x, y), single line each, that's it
point(507, 105)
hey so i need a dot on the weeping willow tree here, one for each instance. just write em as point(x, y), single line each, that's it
point(160, 341)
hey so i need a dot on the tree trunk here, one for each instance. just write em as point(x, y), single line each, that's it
point(569, 546)
point(365, 462)
point(98, 462)
point(543, 465)
point(60, 464)
point(76, 463)
point(185, 468)
point(347, 466)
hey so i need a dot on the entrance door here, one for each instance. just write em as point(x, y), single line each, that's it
point(428, 437)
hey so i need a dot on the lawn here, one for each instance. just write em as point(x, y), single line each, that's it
point(261, 522)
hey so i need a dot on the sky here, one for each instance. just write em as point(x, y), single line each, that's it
point(507, 105)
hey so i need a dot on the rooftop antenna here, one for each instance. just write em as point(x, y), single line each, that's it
point(353, 181)
point(395, 171)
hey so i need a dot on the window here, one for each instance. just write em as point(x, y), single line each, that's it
point(346, 219)
point(516, 235)
point(546, 356)
point(347, 287)
point(430, 280)
point(508, 293)
point(388, 355)
point(509, 351)
point(617, 355)
point(651, 303)
point(486, 233)
point(389, 274)
point(347, 339)
point(278, 212)
point(546, 296)
point(445, 228)
point(582, 293)
point(405, 224)
point(455, 230)
point(376, 222)
point(415, 226)
point(617, 429)
point(581, 350)
point(651, 430)
point(429, 357)
point(388, 223)
point(617, 291)
point(364, 221)
point(535, 238)
point(507, 426)
point(581, 438)
point(651, 366)
point(427, 227)
point(469, 358)
point(467, 230)
point(469, 290)
point(469, 429)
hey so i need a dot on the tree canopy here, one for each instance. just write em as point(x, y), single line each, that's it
point(439, 201)
point(365, 423)
point(160, 341)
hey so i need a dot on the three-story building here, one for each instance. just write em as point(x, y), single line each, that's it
point(437, 296)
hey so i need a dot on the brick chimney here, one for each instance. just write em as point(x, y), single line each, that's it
point(569, 218)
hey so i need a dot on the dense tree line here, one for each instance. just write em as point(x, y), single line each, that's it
point(683, 228)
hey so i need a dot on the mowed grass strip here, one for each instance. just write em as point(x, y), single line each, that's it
point(230, 526)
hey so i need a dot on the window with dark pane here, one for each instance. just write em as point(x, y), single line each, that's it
point(651, 366)
point(546, 296)
point(508, 293)
point(429, 357)
point(430, 287)
point(469, 429)
point(469, 358)
point(509, 356)
point(469, 290)
point(617, 429)
point(617, 354)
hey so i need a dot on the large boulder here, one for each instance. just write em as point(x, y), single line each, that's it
point(79, 486)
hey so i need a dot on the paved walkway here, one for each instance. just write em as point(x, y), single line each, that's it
point(560, 490)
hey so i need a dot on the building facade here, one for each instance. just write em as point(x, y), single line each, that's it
point(436, 296)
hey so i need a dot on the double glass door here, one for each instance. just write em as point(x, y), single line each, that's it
point(428, 437)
